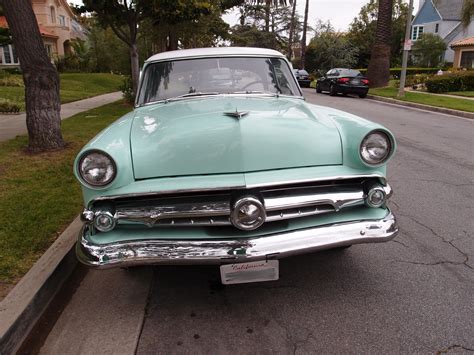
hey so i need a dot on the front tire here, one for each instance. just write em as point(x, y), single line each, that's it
point(333, 90)
point(318, 89)
point(363, 96)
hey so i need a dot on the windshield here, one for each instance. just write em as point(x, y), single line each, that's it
point(212, 76)
point(349, 72)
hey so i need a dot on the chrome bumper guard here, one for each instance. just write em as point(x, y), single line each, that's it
point(272, 246)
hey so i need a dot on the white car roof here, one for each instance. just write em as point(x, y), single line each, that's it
point(215, 52)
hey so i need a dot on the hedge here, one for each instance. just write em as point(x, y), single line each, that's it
point(8, 106)
point(460, 81)
point(396, 72)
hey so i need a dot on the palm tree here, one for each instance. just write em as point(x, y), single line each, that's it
point(379, 65)
point(268, 5)
point(303, 39)
point(292, 31)
point(467, 12)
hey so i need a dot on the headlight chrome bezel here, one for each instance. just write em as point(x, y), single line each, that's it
point(390, 148)
point(80, 170)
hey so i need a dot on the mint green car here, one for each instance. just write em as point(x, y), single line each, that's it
point(223, 161)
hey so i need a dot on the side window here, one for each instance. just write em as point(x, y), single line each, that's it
point(329, 73)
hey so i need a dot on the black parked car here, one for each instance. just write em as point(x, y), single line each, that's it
point(345, 81)
point(302, 77)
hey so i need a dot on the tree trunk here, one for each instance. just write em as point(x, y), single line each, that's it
point(379, 65)
point(292, 31)
point(303, 40)
point(268, 4)
point(39, 75)
point(135, 67)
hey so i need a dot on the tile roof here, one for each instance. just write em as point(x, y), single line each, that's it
point(43, 31)
point(450, 10)
point(463, 42)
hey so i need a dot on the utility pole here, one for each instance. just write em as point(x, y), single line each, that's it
point(406, 50)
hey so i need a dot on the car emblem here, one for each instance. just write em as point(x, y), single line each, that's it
point(237, 114)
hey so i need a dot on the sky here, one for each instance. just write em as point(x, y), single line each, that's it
point(339, 12)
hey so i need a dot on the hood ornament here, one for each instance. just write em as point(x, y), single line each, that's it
point(237, 114)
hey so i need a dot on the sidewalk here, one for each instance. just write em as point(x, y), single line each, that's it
point(14, 125)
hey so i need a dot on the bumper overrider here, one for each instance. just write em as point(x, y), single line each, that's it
point(273, 246)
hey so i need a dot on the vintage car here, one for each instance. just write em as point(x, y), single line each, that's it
point(223, 161)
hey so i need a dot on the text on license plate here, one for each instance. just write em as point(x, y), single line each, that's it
point(257, 271)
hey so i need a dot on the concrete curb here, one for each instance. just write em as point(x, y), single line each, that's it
point(447, 111)
point(23, 306)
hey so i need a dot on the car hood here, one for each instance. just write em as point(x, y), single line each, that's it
point(200, 136)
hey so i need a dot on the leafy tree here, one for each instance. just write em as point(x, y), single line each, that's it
point(252, 36)
point(39, 75)
point(5, 36)
point(190, 23)
point(124, 18)
point(428, 51)
point(362, 31)
point(329, 49)
point(379, 65)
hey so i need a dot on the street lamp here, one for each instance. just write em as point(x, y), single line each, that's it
point(406, 50)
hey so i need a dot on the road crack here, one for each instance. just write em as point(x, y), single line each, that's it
point(449, 242)
point(454, 347)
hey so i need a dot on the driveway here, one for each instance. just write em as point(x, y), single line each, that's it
point(411, 295)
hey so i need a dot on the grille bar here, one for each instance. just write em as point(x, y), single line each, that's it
point(215, 210)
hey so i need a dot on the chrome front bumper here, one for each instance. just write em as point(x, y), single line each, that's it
point(236, 250)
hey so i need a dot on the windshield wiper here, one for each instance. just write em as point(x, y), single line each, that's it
point(191, 94)
point(255, 92)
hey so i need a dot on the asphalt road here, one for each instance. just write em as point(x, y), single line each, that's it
point(412, 295)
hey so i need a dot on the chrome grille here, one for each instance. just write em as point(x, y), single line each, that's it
point(206, 209)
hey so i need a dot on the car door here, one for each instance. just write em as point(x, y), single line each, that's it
point(324, 81)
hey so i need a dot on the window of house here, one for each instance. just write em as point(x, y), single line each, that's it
point(49, 49)
point(467, 59)
point(417, 32)
point(62, 20)
point(437, 28)
point(8, 55)
point(53, 14)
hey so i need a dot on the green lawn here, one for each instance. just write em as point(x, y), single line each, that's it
point(426, 99)
point(74, 86)
point(39, 195)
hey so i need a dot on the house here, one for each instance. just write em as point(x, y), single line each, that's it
point(463, 53)
point(443, 18)
point(57, 27)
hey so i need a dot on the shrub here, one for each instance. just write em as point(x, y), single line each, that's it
point(127, 90)
point(414, 80)
point(9, 106)
point(396, 72)
point(11, 81)
point(459, 81)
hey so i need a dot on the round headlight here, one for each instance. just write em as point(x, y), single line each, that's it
point(375, 148)
point(97, 168)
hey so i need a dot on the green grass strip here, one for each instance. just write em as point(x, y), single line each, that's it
point(453, 103)
point(73, 87)
point(39, 195)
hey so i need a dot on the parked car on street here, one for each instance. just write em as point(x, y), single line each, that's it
point(302, 76)
point(234, 171)
point(344, 81)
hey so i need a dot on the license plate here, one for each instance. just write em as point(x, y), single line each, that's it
point(355, 82)
point(257, 271)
